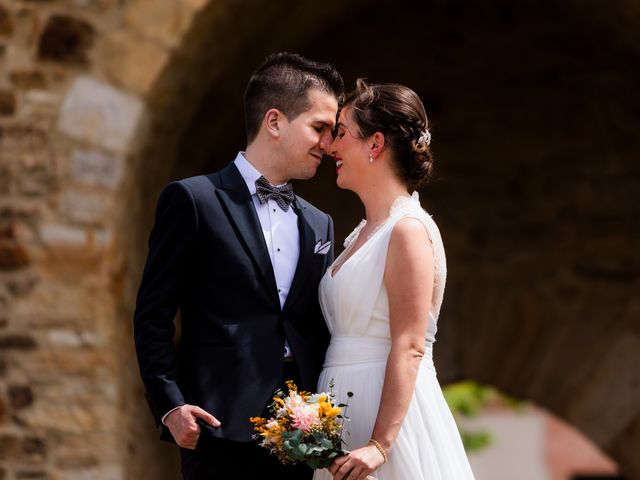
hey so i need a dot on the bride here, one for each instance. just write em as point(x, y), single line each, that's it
point(382, 296)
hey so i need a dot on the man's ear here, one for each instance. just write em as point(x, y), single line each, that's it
point(272, 122)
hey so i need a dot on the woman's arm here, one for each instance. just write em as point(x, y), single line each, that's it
point(408, 277)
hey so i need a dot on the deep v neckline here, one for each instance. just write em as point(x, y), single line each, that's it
point(332, 270)
point(396, 206)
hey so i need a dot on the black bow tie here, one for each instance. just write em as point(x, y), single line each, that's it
point(282, 195)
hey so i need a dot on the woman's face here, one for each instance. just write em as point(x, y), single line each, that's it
point(350, 152)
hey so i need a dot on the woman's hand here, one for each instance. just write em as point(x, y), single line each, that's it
point(357, 464)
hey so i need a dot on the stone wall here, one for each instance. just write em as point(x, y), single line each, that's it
point(103, 101)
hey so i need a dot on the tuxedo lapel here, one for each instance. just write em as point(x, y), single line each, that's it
point(307, 238)
point(235, 196)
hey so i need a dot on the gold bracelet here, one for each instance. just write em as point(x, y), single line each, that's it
point(380, 449)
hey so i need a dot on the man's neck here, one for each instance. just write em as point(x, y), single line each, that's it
point(263, 161)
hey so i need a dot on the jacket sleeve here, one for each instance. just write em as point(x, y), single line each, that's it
point(171, 239)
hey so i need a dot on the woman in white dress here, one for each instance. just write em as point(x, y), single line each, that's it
point(382, 296)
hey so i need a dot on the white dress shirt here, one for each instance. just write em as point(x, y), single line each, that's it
point(280, 230)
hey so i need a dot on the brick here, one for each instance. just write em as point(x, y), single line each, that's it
point(99, 114)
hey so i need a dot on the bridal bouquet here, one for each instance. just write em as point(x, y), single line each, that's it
point(303, 427)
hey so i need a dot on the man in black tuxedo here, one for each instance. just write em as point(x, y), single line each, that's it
point(241, 257)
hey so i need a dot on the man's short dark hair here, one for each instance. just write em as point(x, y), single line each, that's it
point(282, 82)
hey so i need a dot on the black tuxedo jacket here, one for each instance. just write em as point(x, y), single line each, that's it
point(208, 259)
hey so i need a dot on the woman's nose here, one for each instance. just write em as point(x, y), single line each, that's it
point(332, 147)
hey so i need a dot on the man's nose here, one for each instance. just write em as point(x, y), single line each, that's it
point(326, 142)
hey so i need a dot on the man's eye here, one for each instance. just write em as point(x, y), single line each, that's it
point(318, 129)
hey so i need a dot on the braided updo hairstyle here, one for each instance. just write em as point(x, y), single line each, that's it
point(398, 113)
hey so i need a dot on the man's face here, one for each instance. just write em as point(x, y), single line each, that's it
point(306, 138)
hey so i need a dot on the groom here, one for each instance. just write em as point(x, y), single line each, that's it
point(240, 256)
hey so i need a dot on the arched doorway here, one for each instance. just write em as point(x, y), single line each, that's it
point(535, 118)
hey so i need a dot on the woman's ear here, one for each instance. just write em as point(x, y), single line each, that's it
point(272, 120)
point(377, 144)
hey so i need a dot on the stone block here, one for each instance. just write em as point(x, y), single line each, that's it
point(7, 102)
point(3, 312)
point(85, 207)
point(66, 39)
point(23, 138)
point(9, 447)
point(132, 62)
point(66, 418)
point(42, 364)
point(20, 396)
point(28, 79)
point(6, 23)
point(112, 472)
point(22, 282)
point(66, 338)
point(97, 113)
point(32, 475)
point(161, 20)
point(97, 168)
point(76, 461)
point(17, 342)
point(61, 235)
point(34, 449)
point(13, 253)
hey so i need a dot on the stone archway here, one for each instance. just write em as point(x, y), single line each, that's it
point(535, 208)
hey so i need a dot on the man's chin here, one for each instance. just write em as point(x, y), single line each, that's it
point(306, 175)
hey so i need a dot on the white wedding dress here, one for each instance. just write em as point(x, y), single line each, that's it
point(356, 309)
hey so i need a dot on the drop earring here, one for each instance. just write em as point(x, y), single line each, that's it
point(371, 158)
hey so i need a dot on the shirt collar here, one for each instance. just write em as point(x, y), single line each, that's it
point(248, 172)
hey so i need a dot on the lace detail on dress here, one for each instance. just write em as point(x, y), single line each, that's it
point(353, 235)
point(403, 205)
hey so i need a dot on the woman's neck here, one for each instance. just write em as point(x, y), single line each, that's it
point(378, 199)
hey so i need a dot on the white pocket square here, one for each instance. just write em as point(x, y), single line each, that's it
point(322, 248)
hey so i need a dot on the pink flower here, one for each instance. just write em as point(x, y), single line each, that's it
point(304, 417)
